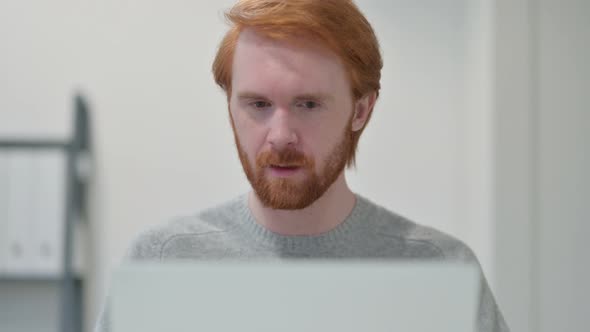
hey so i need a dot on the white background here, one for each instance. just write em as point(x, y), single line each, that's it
point(163, 145)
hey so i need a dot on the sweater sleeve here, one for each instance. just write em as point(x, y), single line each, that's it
point(103, 322)
point(489, 316)
point(146, 246)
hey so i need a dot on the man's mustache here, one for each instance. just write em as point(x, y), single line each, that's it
point(286, 158)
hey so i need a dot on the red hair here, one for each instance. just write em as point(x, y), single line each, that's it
point(338, 24)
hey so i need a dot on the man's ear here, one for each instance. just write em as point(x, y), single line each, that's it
point(362, 110)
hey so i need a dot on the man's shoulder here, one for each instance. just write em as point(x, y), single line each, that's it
point(151, 242)
point(419, 237)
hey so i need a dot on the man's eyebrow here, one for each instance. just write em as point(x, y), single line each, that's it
point(304, 96)
point(315, 96)
point(250, 95)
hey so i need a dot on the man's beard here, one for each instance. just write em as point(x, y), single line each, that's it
point(294, 194)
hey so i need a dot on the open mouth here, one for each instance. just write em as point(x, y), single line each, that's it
point(285, 167)
point(284, 170)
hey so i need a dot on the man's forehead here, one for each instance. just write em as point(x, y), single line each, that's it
point(260, 62)
point(253, 37)
point(256, 37)
point(293, 48)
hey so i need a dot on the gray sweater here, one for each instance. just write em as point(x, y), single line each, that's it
point(370, 231)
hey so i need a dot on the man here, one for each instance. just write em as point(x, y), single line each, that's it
point(301, 79)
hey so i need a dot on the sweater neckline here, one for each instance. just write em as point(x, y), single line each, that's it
point(353, 223)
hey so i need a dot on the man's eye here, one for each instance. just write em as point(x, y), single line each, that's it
point(309, 104)
point(260, 104)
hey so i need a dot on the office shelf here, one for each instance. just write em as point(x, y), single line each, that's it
point(61, 286)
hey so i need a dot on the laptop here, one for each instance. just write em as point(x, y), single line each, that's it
point(316, 296)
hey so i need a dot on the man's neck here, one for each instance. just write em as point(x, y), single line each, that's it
point(321, 216)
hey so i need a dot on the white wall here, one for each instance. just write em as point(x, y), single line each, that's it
point(163, 145)
point(562, 202)
point(513, 161)
point(542, 161)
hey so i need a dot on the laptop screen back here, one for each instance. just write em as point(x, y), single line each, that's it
point(289, 297)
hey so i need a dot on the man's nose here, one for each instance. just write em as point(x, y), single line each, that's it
point(282, 133)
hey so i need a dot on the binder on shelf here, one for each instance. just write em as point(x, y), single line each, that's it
point(21, 205)
point(48, 220)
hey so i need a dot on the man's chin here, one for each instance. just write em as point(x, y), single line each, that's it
point(285, 196)
point(286, 204)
